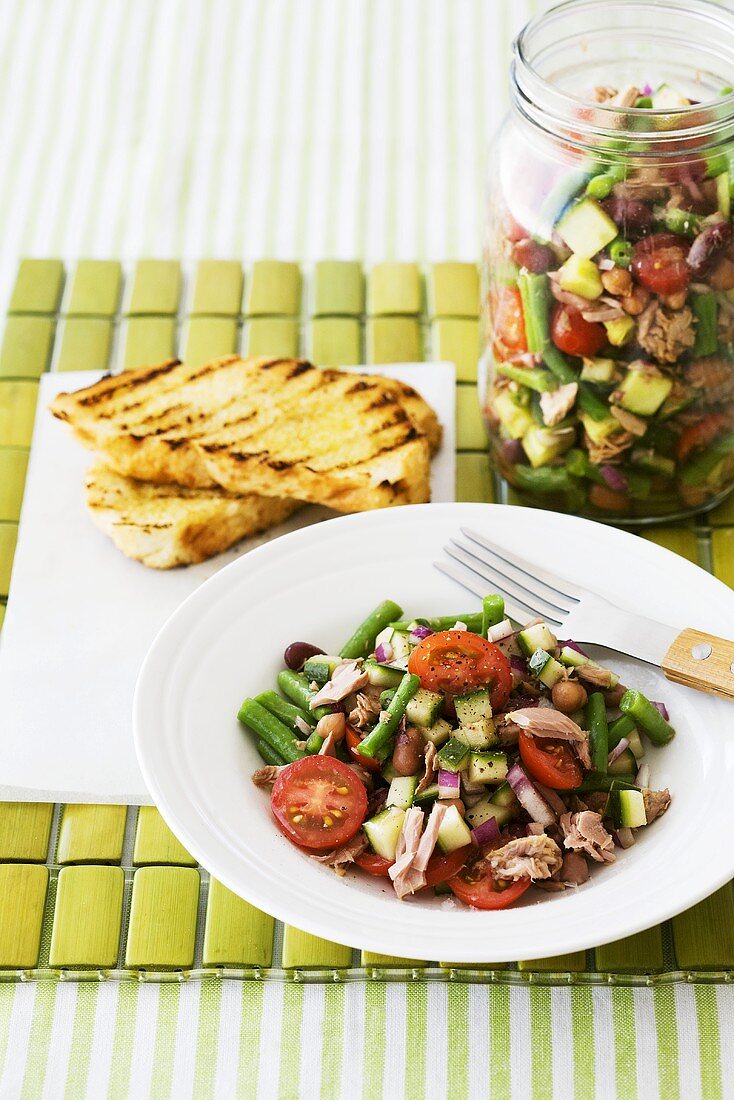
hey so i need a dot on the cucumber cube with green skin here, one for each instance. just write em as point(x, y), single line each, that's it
point(480, 735)
point(625, 765)
point(383, 831)
point(402, 791)
point(586, 228)
point(619, 331)
point(380, 676)
point(486, 811)
point(643, 392)
point(438, 733)
point(537, 636)
point(401, 645)
point(636, 744)
point(504, 796)
point(424, 708)
point(542, 445)
point(626, 809)
point(598, 370)
point(723, 194)
point(487, 767)
point(453, 832)
point(599, 430)
point(320, 667)
point(453, 756)
point(580, 276)
point(667, 98)
point(428, 794)
point(551, 673)
point(572, 658)
point(516, 419)
point(473, 706)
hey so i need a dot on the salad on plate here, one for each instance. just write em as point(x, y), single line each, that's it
point(457, 755)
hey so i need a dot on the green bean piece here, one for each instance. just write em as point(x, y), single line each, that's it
point(619, 729)
point(596, 719)
point(546, 479)
point(473, 620)
point(535, 378)
point(297, 688)
point(705, 309)
point(386, 697)
point(682, 222)
point(620, 252)
point(535, 297)
point(556, 361)
point(643, 101)
point(287, 712)
point(493, 611)
point(591, 404)
point(697, 470)
point(270, 756)
point(600, 187)
point(594, 781)
point(646, 716)
point(362, 642)
point(314, 743)
point(270, 729)
point(379, 736)
point(579, 464)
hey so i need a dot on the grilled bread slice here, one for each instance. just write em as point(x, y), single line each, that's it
point(275, 427)
point(167, 525)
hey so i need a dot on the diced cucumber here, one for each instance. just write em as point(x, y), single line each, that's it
point(402, 791)
point(381, 676)
point(389, 772)
point(636, 744)
point(424, 708)
point(626, 808)
point(580, 276)
point(320, 667)
point(599, 430)
point(428, 794)
point(401, 645)
point(536, 636)
point(438, 733)
point(453, 755)
point(504, 796)
point(572, 658)
point(453, 832)
point(487, 767)
point(598, 370)
point(514, 417)
point(486, 810)
point(619, 330)
point(383, 831)
point(480, 735)
point(667, 98)
point(625, 764)
point(586, 228)
point(552, 671)
point(542, 445)
point(473, 706)
point(723, 194)
point(643, 391)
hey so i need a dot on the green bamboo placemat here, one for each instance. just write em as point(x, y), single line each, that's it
point(90, 892)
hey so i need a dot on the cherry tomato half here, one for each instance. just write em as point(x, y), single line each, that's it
point(508, 319)
point(476, 885)
point(371, 763)
point(318, 802)
point(374, 864)
point(700, 434)
point(441, 868)
point(457, 661)
point(550, 762)
point(659, 263)
point(572, 334)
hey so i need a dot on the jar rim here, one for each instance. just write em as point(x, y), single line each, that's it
point(550, 107)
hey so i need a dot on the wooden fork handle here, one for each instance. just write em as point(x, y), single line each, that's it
point(701, 661)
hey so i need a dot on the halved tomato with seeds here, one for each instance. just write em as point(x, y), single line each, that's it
point(318, 802)
point(551, 762)
point(457, 661)
point(476, 884)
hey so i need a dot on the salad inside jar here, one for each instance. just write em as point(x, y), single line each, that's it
point(610, 387)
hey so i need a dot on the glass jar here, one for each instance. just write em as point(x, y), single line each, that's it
point(607, 366)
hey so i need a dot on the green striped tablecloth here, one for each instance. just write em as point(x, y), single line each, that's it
point(296, 129)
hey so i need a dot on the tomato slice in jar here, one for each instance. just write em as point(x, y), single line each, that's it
point(457, 661)
point(659, 263)
point(507, 318)
point(371, 763)
point(318, 803)
point(573, 334)
point(476, 885)
point(550, 762)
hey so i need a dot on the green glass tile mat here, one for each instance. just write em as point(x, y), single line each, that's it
point(150, 913)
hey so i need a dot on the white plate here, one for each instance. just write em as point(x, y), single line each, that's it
point(225, 642)
point(82, 616)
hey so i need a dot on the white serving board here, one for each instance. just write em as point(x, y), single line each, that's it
point(81, 616)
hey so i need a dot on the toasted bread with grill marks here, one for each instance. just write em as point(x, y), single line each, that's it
point(275, 427)
point(168, 525)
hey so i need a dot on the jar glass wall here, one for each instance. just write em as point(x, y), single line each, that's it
point(607, 367)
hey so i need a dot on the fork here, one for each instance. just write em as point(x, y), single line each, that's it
point(689, 657)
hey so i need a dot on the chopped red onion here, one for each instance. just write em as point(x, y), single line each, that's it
point(624, 837)
point(518, 665)
point(420, 632)
point(647, 90)
point(662, 708)
point(643, 776)
point(500, 631)
point(605, 264)
point(383, 653)
point(618, 750)
point(553, 799)
point(529, 798)
point(448, 784)
point(573, 645)
point(614, 478)
point(485, 833)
